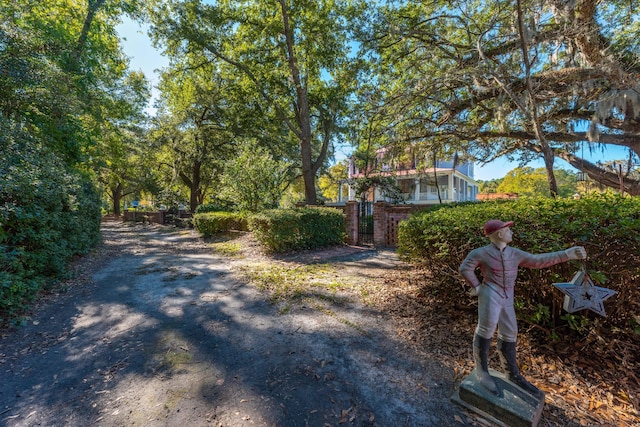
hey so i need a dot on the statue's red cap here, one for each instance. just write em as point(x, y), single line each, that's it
point(494, 225)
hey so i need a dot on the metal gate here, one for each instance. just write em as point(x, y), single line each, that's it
point(365, 223)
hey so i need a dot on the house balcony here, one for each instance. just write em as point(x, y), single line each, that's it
point(420, 188)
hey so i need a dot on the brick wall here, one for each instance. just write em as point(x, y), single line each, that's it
point(380, 224)
point(157, 217)
point(351, 222)
point(496, 196)
point(395, 214)
point(386, 219)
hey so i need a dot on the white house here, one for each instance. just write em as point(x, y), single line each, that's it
point(419, 184)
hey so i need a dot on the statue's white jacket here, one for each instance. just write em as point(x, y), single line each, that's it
point(500, 267)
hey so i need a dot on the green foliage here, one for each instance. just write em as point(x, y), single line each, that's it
point(63, 73)
point(541, 315)
point(387, 185)
point(576, 323)
point(65, 84)
point(254, 180)
point(490, 186)
point(290, 68)
point(210, 223)
point(171, 198)
point(329, 182)
point(48, 213)
point(286, 230)
point(477, 72)
point(533, 182)
point(608, 226)
point(216, 206)
point(124, 164)
point(65, 95)
point(635, 324)
point(196, 126)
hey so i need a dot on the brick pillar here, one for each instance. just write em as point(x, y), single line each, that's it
point(380, 224)
point(351, 222)
point(395, 214)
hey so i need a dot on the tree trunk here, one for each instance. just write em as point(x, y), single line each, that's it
point(308, 175)
point(435, 177)
point(549, 158)
point(302, 125)
point(598, 174)
point(92, 9)
point(547, 152)
point(193, 183)
point(302, 114)
point(201, 196)
point(116, 196)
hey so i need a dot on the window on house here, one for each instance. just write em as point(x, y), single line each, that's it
point(426, 183)
point(407, 185)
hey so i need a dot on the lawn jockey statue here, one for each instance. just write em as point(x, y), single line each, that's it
point(498, 264)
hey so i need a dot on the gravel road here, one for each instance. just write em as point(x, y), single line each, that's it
point(157, 329)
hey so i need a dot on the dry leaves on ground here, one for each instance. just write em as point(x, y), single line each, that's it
point(588, 383)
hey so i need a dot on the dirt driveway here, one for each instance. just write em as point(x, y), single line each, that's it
point(157, 329)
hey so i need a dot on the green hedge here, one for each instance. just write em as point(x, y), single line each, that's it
point(210, 223)
point(48, 214)
point(608, 226)
point(286, 230)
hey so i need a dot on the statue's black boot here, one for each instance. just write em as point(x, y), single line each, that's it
point(507, 351)
point(481, 358)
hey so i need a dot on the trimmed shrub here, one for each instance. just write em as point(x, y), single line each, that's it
point(607, 225)
point(287, 230)
point(210, 223)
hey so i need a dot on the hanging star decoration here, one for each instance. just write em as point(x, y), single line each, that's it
point(581, 293)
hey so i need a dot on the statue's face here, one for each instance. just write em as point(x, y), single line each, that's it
point(505, 234)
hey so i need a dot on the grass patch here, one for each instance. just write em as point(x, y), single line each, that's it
point(173, 358)
point(228, 249)
point(314, 285)
point(292, 282)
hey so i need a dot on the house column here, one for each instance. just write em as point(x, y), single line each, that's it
point(352, 194)
point(451, 195)
point(416, 193)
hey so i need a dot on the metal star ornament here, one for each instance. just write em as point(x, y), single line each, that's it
point(581, 294)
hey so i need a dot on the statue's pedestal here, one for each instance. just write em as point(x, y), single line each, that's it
point(512, 407)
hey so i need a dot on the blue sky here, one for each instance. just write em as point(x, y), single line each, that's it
point(144, 57)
